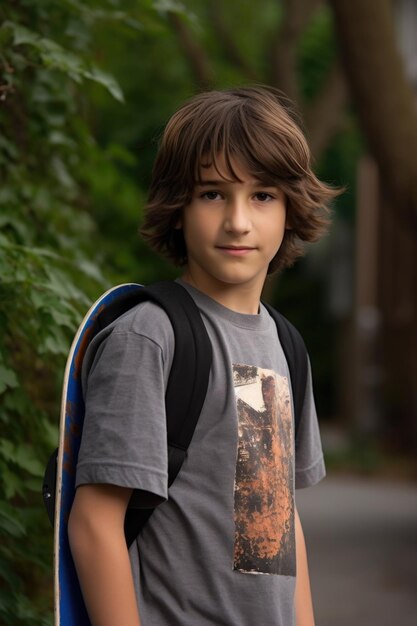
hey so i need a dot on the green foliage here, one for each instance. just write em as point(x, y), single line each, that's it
point(51, 265)
point(316, 53)
point(54, 56)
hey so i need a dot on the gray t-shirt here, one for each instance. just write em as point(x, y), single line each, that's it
point(221, 550)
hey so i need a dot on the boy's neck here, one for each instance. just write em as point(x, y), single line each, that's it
point(239, 298)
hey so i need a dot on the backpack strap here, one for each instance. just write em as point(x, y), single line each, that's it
point(296, 355)
point(186, 389)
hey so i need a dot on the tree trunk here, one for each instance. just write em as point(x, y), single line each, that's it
point(387, 112)
point(383, 97)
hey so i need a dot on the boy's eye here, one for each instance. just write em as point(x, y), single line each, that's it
point(262, 196)
point(210, 195)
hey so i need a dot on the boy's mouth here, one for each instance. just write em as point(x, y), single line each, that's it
point(236, 250)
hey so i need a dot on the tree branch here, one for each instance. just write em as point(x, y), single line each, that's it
point(324, 116)
point(195, 54)
point(297, 15)
point(233, 54)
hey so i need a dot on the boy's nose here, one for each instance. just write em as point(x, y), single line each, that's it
point(237, 218)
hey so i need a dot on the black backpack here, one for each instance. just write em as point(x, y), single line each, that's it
point(191, 363)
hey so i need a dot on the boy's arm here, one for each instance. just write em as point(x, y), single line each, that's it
point(96, 535)
point(303, 601)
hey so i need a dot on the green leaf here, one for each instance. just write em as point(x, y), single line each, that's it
point(94, 14)
point(101, 77)
point(8, 147)
point(21, 455)
point(51, 432)
point(12, 483)
point(54, 343)
point(91, 270)
point(18, 225)
point(62, 319)
point(62, 174)
point(34, 484)
point(8, 378)
point(172, 6)
point(9, 522)
point(21, 35)
point(55, 56)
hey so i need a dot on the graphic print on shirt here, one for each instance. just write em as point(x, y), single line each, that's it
point(263, 501)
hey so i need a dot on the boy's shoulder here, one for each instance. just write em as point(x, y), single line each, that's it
point(146, 319)
point(141, 316)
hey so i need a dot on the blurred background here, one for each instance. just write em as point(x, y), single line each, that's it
point(85, 90)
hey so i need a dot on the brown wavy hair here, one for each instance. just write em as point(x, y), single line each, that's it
point(255, 126)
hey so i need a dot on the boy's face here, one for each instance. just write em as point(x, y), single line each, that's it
point(232, 230)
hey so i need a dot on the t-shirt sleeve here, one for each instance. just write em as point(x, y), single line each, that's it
point(309, 461)
point(124, 439)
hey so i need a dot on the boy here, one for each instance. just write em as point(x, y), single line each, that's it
point(231, 199)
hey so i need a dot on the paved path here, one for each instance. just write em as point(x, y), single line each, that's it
point(362, 545)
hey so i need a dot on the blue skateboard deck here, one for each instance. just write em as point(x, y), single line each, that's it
point(69, 607)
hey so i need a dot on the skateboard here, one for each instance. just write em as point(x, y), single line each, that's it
point(69, 607)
